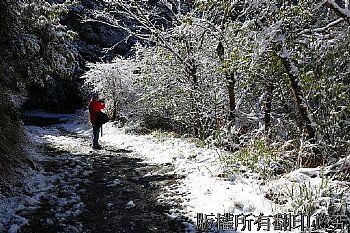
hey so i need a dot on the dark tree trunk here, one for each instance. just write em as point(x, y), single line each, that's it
point(115, 105)
point(191, 70)
point(298, 97)
point(230, 77)
point(114, 114)
point(268, 106)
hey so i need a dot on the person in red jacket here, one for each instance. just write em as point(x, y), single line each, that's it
point(95, 106)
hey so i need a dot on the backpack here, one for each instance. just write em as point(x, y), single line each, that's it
point(101, 118)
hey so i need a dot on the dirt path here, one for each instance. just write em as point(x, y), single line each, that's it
point(123, 197)
point(110, 190)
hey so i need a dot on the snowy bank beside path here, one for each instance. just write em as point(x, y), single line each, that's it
point(206, 192)
point(202, 191)
point(59, 189)
point(205, 189)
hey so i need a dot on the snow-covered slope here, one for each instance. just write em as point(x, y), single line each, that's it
point(204, 191)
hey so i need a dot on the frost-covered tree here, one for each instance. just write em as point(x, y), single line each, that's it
point(34, 43)
point(290, 41)
point(245, 68)
point(172, 37)
point(116, 83)
point(34, 47)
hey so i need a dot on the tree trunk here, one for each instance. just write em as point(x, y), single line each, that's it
point(298, 97)
point(230, 77)
point(268, 106)
point(191, 70)
point(115, 105)
point(114, 114)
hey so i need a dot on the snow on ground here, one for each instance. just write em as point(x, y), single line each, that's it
point(202, 190)
point(59, 189)
point(42, 185)
point(206, 192)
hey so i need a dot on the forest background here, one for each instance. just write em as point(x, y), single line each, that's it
point(265, 79)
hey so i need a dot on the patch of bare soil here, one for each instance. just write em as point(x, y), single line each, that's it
point(123, 196)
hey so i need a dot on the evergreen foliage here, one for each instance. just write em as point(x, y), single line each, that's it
point(34, 49)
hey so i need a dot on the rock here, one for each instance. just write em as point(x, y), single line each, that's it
point(130, 205)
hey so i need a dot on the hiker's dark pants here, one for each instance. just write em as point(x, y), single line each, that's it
point(96, 133)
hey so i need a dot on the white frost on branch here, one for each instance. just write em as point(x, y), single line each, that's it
point(344, 11)
point(322, 29)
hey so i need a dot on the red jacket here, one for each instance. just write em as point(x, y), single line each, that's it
point(94, 107)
